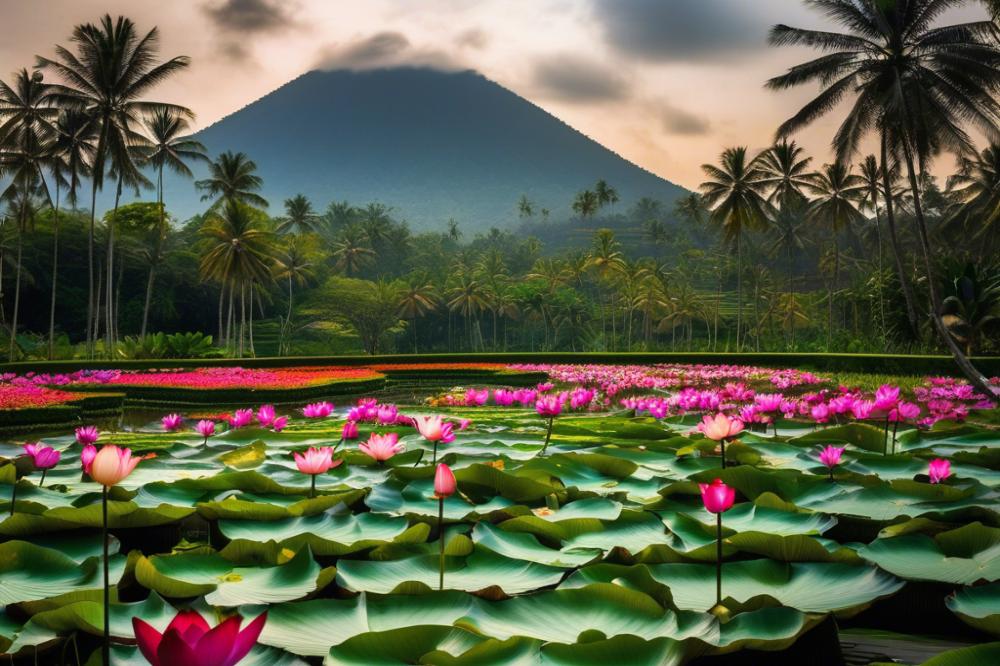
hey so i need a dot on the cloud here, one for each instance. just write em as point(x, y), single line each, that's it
point(573, 78)
point(249, 16)
point(679, 121)
point(383, 49)
point(473, 38)
point(672, 30)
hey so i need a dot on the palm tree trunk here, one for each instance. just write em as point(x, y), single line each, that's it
point(739, 291)
point(97, 302)
point(976, 378)
point(55, 275)
point(881, 292)
point(221, 341)
point(904, 282)
point(253, 352)
point(17, 287)
point(118, 295)
point(243, 317)
point(791, 299)
point(90, 269)
point(156, 254)
point(109, 310)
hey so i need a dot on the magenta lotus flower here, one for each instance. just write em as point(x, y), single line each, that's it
point(768, 402)
point(349, 431)
point(862, 409)
point(830, 455)
point(43, 457)
point(112, 465)
point(172, 422)
point(939, 469)
point(205, 428)
point(382, 447)
point(820, 413)
point(447, 433)
point(279, 423)
point(717, 496)
point(241, 418)
point(189, 641)
point(503, 397)
point(886, 397)
point(87, 457)
point(581, 397)
point(87, 434)
point(317, 410)
point(905, 411)
point(444, 482)
point(464, 423)
point(265, 415)
point(548, 406)
point(387, 414)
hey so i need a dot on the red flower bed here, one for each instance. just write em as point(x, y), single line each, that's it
point(26, 397)
point(233, 378)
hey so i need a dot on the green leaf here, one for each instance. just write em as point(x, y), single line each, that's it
point(978, 606)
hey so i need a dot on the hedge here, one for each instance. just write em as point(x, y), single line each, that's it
point(904, 364)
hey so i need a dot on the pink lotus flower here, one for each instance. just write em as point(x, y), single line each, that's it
point(548, 406)
point(172, 422)
point(316, 460)
point(317, 410)
point(279, 423)
point(444, 482)
point(820, 413)
point(87, 434)
point(387, 414)
point(720, 427)
point(241, 418)
point(545, 386)
point(382, 447)
point(205, 428)
point(42, 457)
point(939, 469)
point(87, 457)
point(862, 409)
point(430, 427)
point(476, 398)
point(904, 411)
point(717, 496)
point(112, 465)
point(464, 423)
point(349, 431)
point(189, 641)
point(503, 397)
point(581, 397)
point(886, 397)
point(768, 402)
point(830, 455)
point(265, 415)
point(447, 433)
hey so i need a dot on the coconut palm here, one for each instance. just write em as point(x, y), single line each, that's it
point(237, 255)
point(418, 299)
point(735, 194)
point(299, 215)
point(525, 208)
point(295, 267)
point(72, 150)
point(607, 261)
point(916, 83)
point(605, 194)
point(232, 177)
point(467, 297)
point(785, 172)
point(351, 251)
point(108, 77)
point(25, 141)
point(170, 147)
point(586, 204)
point(789, 239)
point(975, 191)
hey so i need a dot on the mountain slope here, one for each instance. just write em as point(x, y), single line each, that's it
point(431, 144)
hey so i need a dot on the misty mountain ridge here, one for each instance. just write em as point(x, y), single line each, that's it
point(431, 144)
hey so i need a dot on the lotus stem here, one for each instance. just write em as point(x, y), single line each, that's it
point(885, 437)
point(723, 443)
point(312, 486)
point(718, 559)
point(548, 435)
point(106, 647)
point(13, 495)
point(895, 427)
point(441, 540)
point(435, 458)
point(41, 482)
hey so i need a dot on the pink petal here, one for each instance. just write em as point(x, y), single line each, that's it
point(189, 624)
point(173, 650)
point(148, 639)
point(246, 640)
point(214, 647)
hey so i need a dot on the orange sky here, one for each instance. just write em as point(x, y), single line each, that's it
point(665, 83)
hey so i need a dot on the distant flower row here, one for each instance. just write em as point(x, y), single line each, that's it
point(29, 396)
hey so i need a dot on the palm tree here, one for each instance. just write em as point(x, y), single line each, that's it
point(351, 251)
point(914, 82)
point(785, 173)
point(26, 141)
point(170, 148)
point(72, 150)
point(525, 208)
point(607, 260)
point(299, 214)
point(788, 237)
point(295, 267)
point(735, 196)
point(586, 204)
point(975, 191)
point(232, 177)
point(467, 297)
point(417, 300)
point(237, 255)
point(376, 223)
point(605, 194)
point(113, 68)
point(690, 207)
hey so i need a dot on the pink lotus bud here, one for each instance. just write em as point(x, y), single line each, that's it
point(265, 415)
point(350, 430)
point(87, 434)
point(87, 457)
point(172, 422)
point(720, 427)
point(444, 482)
point(939, 469)
point(717, 496)
point(429, 427)
point(205, 428)
point(548, 406)
point(112, 465)
point(279, 423)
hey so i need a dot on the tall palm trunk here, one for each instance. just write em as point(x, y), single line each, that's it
point(253, 352)
point(109, 310)
point(897, 252)
point(878, 241)
point(17, 286)
point(55, 274)
point(791, 297)
point(91, 314)
point(739, 290)
point(976, 378)
point(157, 247)
point(221, 340)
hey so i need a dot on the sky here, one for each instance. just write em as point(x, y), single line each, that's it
point(667, 84)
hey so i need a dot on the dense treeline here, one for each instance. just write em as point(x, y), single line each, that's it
point(777, 251)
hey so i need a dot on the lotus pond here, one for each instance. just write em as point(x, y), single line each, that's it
point(578, 533)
